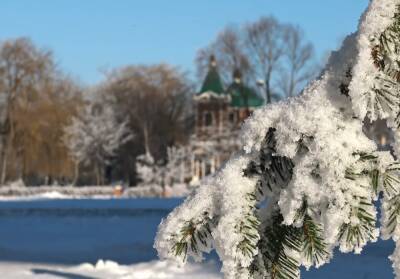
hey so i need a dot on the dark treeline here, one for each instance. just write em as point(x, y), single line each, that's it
point(55, 130)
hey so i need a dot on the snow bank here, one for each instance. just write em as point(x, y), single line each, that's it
point(109, 269)
point(71, 192)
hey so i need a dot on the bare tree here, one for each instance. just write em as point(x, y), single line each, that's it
point(228, 49)
point(23, 68)
point(269, 54)
point(155, 101)
point(298, 66)
point(44, 156)
point(265, 48)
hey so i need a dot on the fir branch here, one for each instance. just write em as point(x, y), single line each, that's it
point(393, 214)
point(364, 157)
point(191, 236)
point(374, 175)
point(391, 187)
point(279, 239)
point(391, 180)
point(356, 233)
point(273, 170)
point(385, 54)
point(249, 228)
point(361, 225)
point(314, 246)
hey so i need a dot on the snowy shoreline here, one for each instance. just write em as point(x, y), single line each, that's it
point(109, 269)
point(84, 192)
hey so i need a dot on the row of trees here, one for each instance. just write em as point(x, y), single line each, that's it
point(54, 130)
point(37, 101)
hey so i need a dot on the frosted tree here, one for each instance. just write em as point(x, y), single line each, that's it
point(163, 173)
point(176, 170)
point(94, 136)
point(307, 178)
point(146, 168)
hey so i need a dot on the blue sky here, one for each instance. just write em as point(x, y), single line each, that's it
point(89, 35)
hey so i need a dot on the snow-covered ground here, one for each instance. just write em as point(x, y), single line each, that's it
point(109, 269)
point(18, 191)
point(59, 238)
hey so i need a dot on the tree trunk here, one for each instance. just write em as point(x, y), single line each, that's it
point(20, 163)
point(4, 165)
point(76, 174)
point(6, 153)
point(97, 173)
point(292, 84)
point(8, 140)
point(268, 87)
point(146, 140)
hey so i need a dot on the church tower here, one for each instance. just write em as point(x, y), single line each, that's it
point(211, 103)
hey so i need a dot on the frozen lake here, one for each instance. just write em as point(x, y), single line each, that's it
point(70, 232)
point(76, 231)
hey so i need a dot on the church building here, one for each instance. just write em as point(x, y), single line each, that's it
point(219, 113)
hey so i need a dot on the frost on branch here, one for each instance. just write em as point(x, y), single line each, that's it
point(307, 177)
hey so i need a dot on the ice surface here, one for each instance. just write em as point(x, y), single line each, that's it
point(67, 238)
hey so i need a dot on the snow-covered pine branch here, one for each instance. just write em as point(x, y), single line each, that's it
point(94, 136)
point(307, 177)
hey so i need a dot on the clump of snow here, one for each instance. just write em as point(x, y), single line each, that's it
point(378, 17)
point(157, 269)
point(52, 195)
point(17, 183)
point(195, 207)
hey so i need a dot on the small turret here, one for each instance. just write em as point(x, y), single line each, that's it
point(212, 83)
point(213, 61)
point(237, 76)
